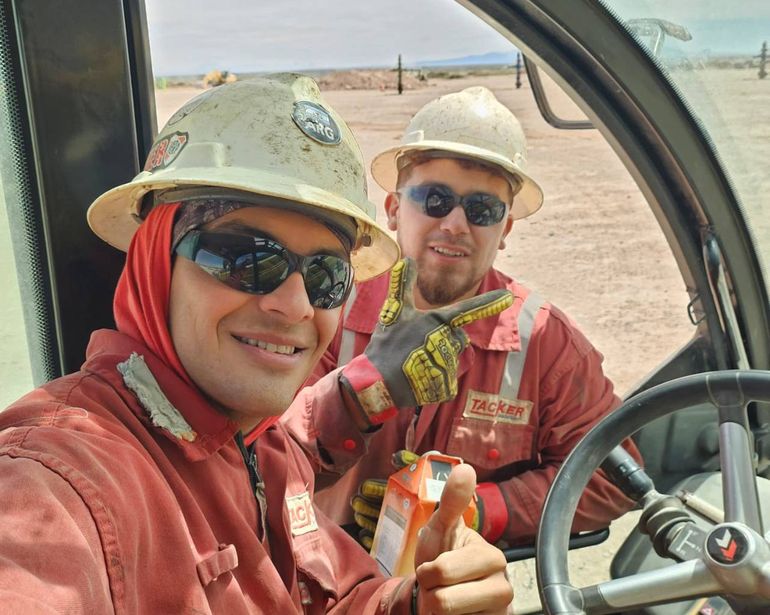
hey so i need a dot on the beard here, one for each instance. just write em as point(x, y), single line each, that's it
point(441, 287)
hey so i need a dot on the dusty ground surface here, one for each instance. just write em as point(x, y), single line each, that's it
point(377, 80)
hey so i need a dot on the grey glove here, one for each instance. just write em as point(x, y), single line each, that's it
point(413, 356)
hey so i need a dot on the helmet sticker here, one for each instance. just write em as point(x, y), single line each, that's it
point(165, 151)
point(315, 122)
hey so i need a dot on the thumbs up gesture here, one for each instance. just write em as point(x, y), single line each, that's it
point(457, 570)
point(413, 356)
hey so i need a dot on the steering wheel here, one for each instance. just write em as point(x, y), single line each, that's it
point(734, 557)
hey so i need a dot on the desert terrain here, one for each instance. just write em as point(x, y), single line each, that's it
point(595, 249)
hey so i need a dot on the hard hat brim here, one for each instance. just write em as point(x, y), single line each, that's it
point(526, 202)
point(114, 216)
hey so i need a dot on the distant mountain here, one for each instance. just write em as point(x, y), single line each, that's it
point(492, 58)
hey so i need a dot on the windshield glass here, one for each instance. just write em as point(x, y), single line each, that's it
point(717, 54)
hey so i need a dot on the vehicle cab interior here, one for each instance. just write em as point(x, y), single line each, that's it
point(663, 116)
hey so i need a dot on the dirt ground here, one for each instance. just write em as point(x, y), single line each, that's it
point(594, 249)
point(377, 80)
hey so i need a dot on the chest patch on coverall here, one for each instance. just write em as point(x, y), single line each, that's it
point(301, 514)
point(497, 409)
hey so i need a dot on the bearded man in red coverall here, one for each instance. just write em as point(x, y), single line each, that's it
point(156, 479)
point(530, 385)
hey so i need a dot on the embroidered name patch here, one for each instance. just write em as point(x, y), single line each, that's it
point(301, 514)
point(490, 407)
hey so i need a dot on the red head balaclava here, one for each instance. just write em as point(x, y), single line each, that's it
point(142, 295)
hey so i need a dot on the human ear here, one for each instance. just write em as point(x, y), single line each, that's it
point(391, 209)
point(506, 231)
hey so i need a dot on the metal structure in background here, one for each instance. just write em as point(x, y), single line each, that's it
point(78, 111)
point(544, 105)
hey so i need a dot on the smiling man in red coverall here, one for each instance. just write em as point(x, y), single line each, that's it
point(156, 479)
point(529, 386)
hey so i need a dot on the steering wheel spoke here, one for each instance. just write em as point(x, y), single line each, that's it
point(739, 487)
point(673, 583)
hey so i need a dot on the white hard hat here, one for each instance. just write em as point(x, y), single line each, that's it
point(468, 124)
point(272, 136)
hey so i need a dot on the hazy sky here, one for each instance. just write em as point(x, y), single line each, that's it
point(189, 37)
point(255, 35)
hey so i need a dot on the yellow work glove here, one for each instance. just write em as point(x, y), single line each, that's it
point(367, 502)
point(413, 355)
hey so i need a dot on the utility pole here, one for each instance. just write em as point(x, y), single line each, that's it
point(400, 83)
point(763, 61)
point(518, 70)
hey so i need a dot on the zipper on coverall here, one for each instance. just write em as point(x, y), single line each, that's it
point(255, 478)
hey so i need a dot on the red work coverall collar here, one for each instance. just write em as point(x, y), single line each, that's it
point(499, 332)
point(141, 301)
point(212, 429)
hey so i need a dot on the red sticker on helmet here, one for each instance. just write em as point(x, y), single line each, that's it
point(165, 151)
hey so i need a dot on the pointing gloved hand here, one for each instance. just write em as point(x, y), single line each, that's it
point(413, 356)
point(366, 504)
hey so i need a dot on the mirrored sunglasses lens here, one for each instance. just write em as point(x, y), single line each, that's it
point(268, 271)
point(327, 281)
point(439, 201)
point(484, 209)
point(213, 264)
point(259, 269)
point(237, 262)
point(435, 200)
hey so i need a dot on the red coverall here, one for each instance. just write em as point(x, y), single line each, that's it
point(112, 506)
point(514, 436)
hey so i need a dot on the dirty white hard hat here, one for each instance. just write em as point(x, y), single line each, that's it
point(468, 124)
point(273, 136)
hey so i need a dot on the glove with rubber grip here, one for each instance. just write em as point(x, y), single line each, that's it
point(366, 504)
point(413, 355)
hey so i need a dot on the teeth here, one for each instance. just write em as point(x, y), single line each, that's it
point(447, 252)
point(279, 349)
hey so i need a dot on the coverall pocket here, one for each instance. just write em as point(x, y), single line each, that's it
point(489, 445)
point(317, 582)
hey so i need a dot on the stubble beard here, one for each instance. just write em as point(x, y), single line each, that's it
point(440, 287)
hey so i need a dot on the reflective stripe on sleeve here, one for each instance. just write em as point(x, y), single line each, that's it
point(514, 364)
point(348, 337)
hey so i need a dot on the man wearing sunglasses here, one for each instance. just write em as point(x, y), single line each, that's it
point(533, 384)
point(156, 479)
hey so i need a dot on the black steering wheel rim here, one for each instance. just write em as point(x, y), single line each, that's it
point(730, 391)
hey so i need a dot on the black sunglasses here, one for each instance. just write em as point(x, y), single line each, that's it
point(259, 265)
point(437, 200)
